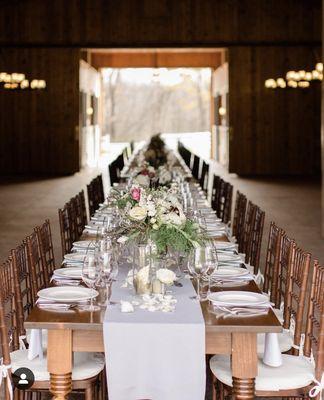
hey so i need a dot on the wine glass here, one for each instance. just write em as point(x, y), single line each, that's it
point(108, 271)
point(90, 274)
point(212, 260)
point(198, 265)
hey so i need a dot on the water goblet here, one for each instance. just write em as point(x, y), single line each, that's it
point(198, 266)
point(90, 274)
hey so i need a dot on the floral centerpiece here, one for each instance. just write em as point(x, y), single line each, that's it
point(157, 215)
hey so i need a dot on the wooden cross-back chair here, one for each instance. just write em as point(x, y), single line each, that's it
point(99, 189)
point(247, 230)
point(295, 300)
point(215, 192)
point(255, 240)
point(23, 288)
point(95, 194)
point(223, 200)
point(114, 173)
point(66, 229)
point(239, 218)
point(295, 378)
point(195, 167)
point(282, 275)
point(44, 236)
point(203, 181)
point(39, 273)
point(89, 367)
point(80, 220)
point(270, 284)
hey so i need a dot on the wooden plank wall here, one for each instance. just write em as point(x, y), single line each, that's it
point(274, 132)
point(159, 23)
point(38, 128)
point(264, 37)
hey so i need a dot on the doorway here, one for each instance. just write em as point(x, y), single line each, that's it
point(148, 91)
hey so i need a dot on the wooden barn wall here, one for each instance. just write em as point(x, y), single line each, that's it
point(38, 128)
point(265, 38)
point(273, 132)
point(122, 23)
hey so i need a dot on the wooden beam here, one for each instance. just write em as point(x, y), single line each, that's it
point(156, 59)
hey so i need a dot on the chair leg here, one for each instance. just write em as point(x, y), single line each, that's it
point(214, 389)
point(88, 394)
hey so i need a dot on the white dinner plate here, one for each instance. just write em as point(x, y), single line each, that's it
point(238, 298)
point(62, 294)
point(73, 273)
point(223, 257)
point(230, 272)
point(74, 257)
point(85, 244)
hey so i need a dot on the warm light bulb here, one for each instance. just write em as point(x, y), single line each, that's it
point(308, 76)
point(319, 67)
point(281, 83)
point(222, 111)
point(292, 84)
point(89, 111)
point(34, 84)
point(24, 84)
point(303, 84)
point(302, 74)
point(297, 76)
point(290, 75)
point(270, 84)
point(315, 74)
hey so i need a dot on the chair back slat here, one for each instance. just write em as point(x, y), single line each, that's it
point(254, 248)
point(239, 218)
point(296, 292)
point(247, 231)
point(287, 246)
point(66, 229)
point(24, 294)
point(8, 314)
point(38, 270)
point(44, 236)
point(271, 268)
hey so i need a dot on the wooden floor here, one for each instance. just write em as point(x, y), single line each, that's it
point(294, 204)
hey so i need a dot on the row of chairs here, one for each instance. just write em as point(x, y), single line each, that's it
point(287, 278)
point(73, 215)
point(27, 270)
point(286, 282)
point(198, 166)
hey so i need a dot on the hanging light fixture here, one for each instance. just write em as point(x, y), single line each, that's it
point(17, 80)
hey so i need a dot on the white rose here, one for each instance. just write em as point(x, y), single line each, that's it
point(153, 220)
point(165, 276)
point(138, 213)
point(155, 226)
point(142, 180)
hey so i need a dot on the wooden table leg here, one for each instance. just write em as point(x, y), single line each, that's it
point(59, 362)
point(244, 365)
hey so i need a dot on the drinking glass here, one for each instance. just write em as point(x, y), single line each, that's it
point(108, 271)
point(90, 275)
point(212, 260)
point(198, 265)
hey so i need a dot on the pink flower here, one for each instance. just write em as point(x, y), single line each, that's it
point(136, 193)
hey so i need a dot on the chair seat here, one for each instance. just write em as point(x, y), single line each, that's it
point(295, 372)
point(285, 339)
point(85, 365)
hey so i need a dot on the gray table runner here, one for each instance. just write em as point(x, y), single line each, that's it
point(155, 355)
